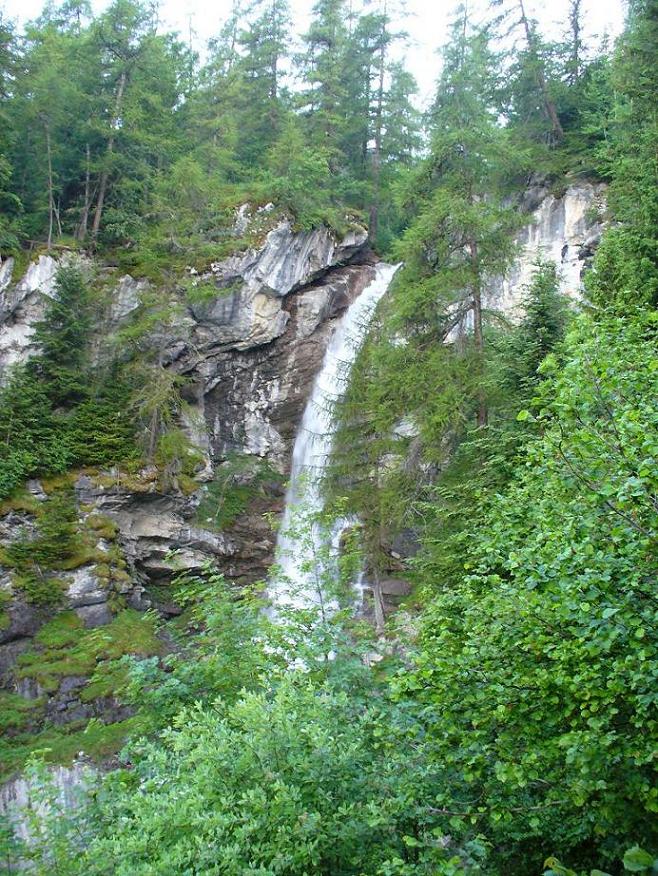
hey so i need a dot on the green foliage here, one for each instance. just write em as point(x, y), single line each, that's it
point(64, 647)
point(54, 413)
point(522, 721)
point(56, 545)
point(276, 769)
point(17, 712)
point(538, 665)
point(116, 136)
point(210, 660)
point(237, 482)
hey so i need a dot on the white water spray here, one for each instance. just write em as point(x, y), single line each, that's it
point(297, 583)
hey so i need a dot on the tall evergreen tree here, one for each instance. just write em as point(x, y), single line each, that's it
point(263, 44)
point(532, 87)
point(462, 236)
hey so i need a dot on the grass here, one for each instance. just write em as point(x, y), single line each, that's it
point(204, 292)
point(102, 526)
point(22, 500)
point(17, 712)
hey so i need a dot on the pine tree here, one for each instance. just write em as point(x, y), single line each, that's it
point(63, 336)
point(462, 235)
point(263, 44)
point(531, 87)
point(324, 99)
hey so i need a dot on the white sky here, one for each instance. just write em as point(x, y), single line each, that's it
point(426, 23)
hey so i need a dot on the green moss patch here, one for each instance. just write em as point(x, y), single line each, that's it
point(22, 500)
point(61, 746)
point(102, 526)
point(64, 648)
point(17, 712)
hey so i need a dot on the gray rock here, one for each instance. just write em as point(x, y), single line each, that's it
point(21, 306)
point(69, 783)
point(9, 654)
point(6, 270)
point(126, 297)
point(565, 230)
point(248, 310)
point(24, 620)
point(72, 683)
point(34, 487)
point(395, 587)
point(94, 615)
point(85, 589)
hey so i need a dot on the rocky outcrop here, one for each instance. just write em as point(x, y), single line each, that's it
point(249, 353)
point(248, 310)
point(66, 783)
point(565, 229)
point(21, 306)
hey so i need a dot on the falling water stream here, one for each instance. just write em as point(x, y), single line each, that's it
point(295, 585)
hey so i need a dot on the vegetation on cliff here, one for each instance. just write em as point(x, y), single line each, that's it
point(510, 724)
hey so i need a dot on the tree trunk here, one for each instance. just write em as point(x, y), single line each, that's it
point(478, 335)
point(274, 86)
point(51, 199)
point(377, 152)
point(105, 174)
point(574, 20)
point(84, 216)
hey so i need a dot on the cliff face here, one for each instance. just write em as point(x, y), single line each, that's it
point(248, 347)
point(248, 335)
point(565, 229)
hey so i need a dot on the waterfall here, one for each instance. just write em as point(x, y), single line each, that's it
point(295, 554)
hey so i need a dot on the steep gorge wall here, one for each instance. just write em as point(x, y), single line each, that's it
point(565, 229)
point(249, 354)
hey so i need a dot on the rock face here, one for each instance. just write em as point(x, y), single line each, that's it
point(67, 784)
point(249, 353)
point(21, 306)
point(249, 310)
point(565, 230)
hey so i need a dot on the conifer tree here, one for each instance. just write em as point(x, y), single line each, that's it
point(462, 236)
point(263, 47)
point(532, 86)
